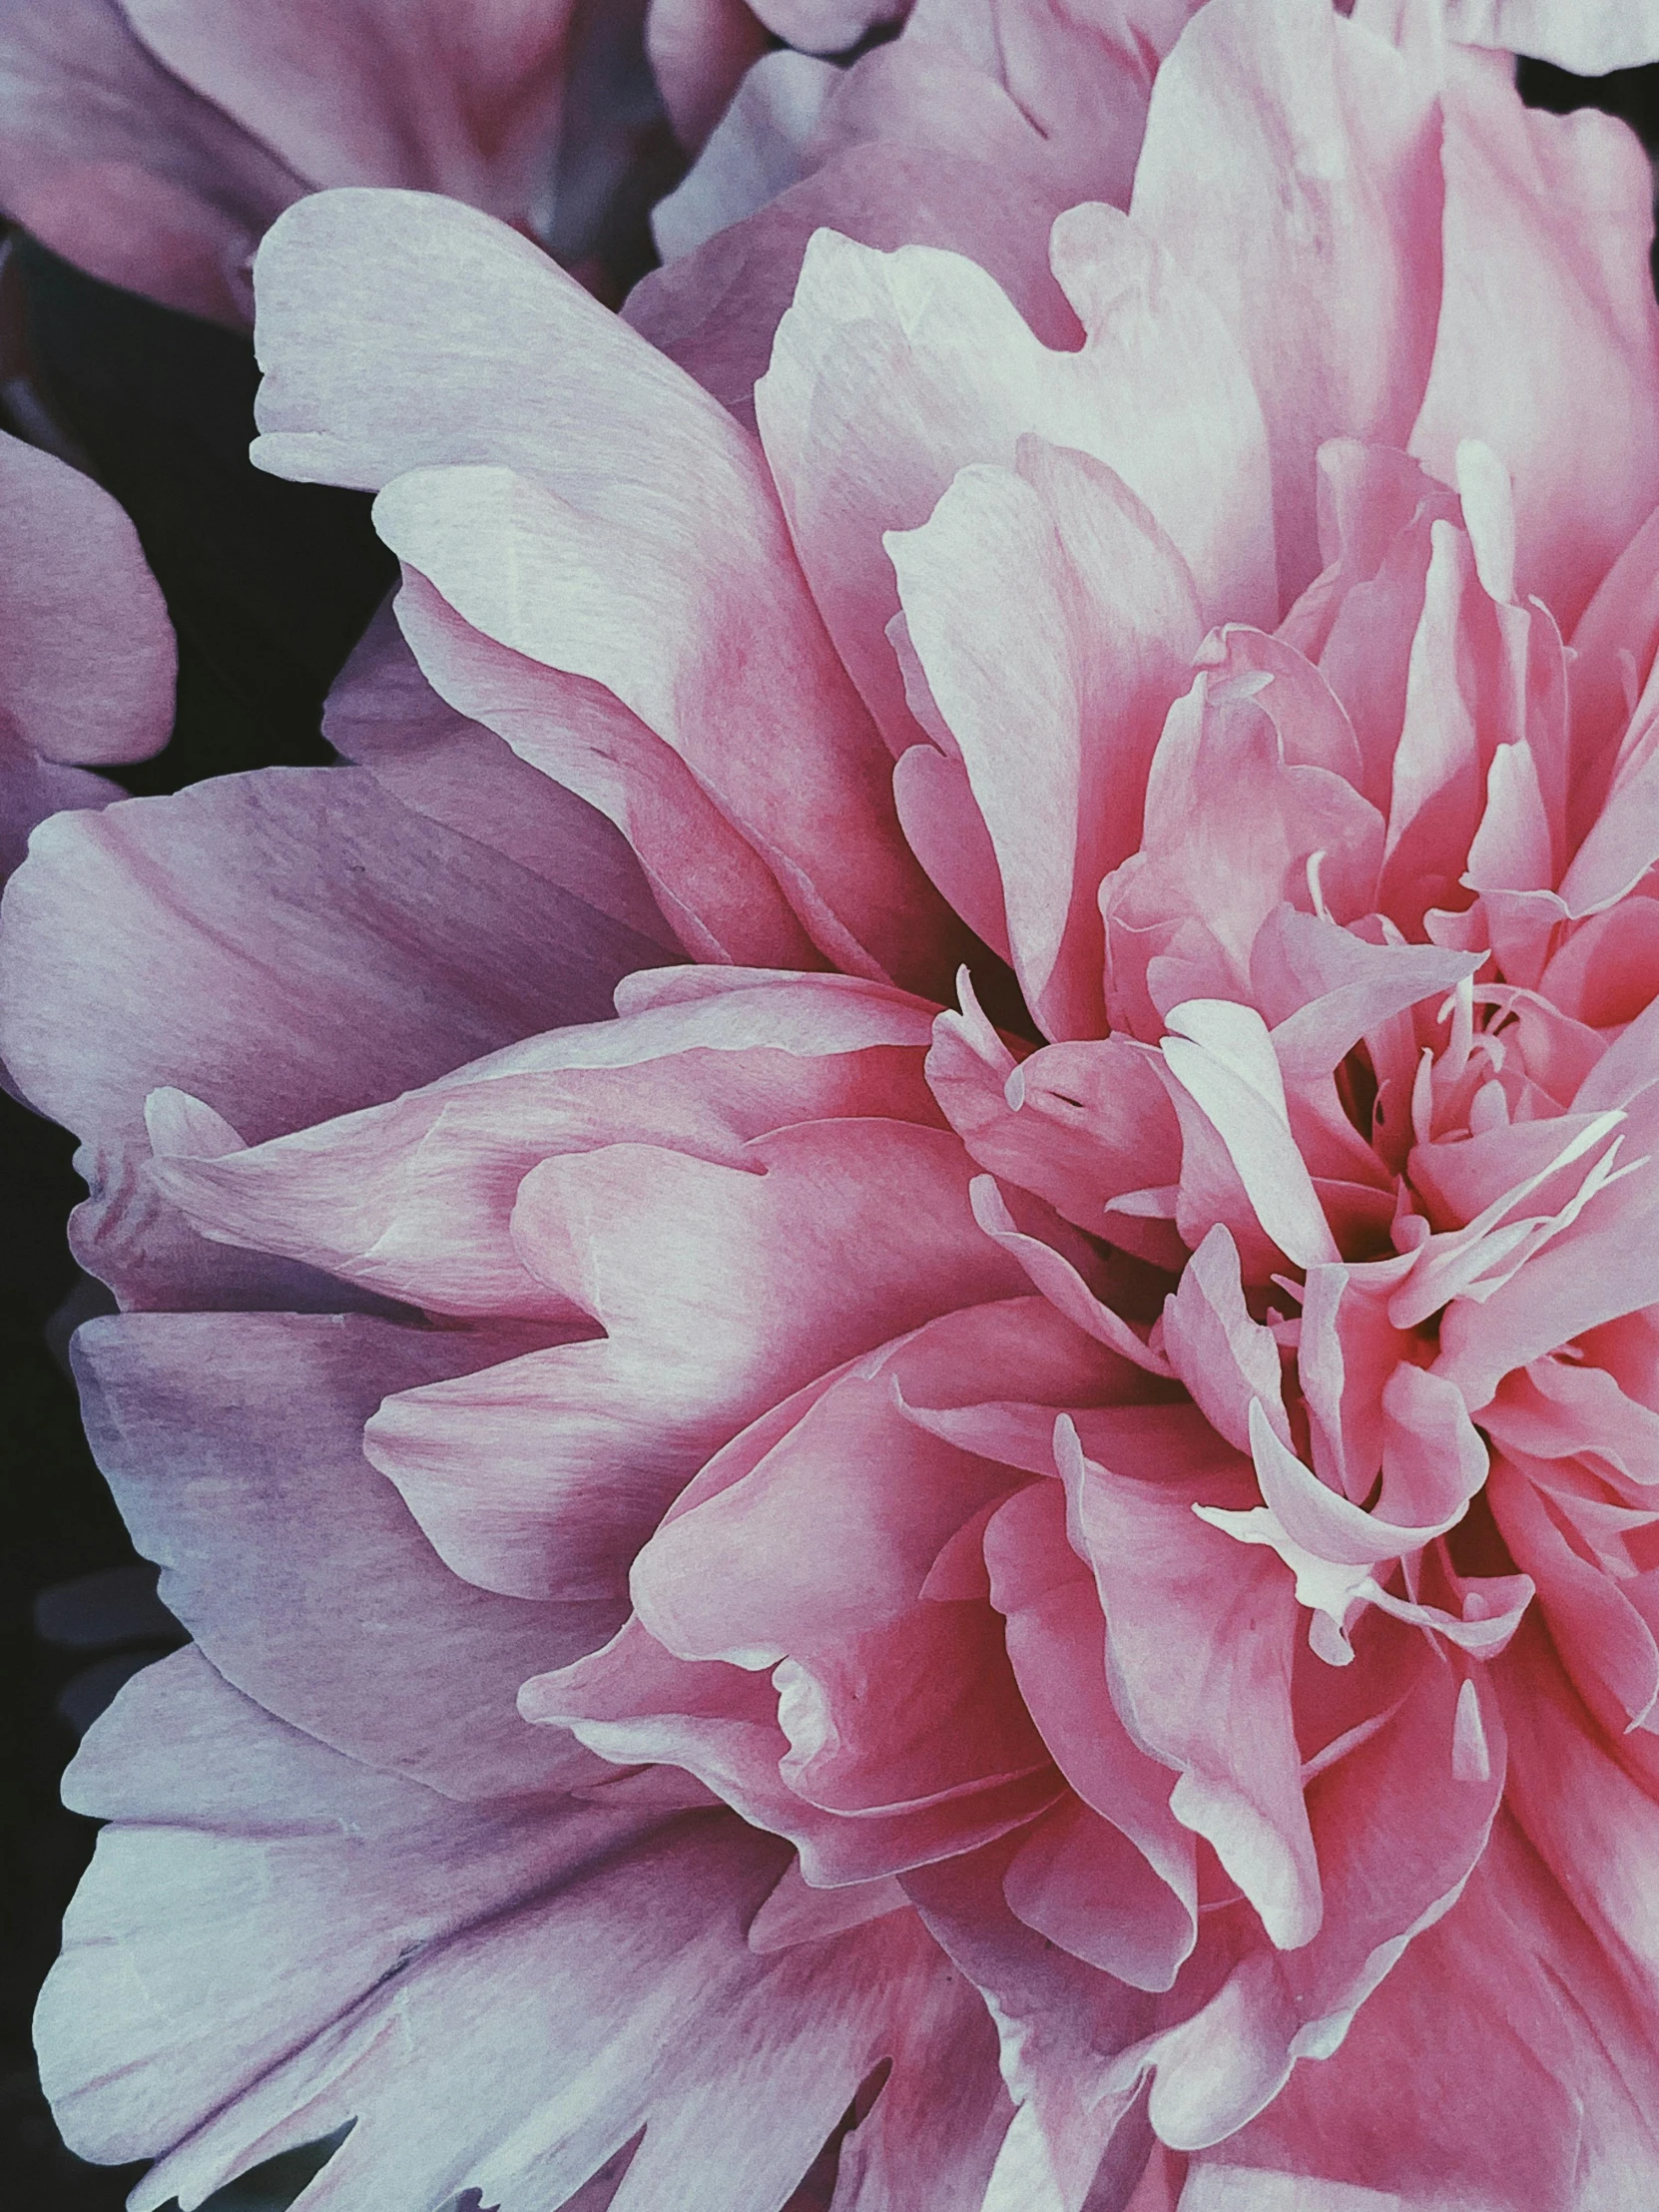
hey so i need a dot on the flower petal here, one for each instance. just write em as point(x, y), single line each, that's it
point(1055, 624)
point(1311, 219)
point(234, 1445)
point(427, 1946)
point(90, 656)
point(1548, 219)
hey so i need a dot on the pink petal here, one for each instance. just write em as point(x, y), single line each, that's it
point(415, 1199)
point(90, 656)
point(753, 1741)
point(972, 130)
point(1061, 1280)
point(946, 832)
point(1348, 258)
point(113, 163)
point(699, 50)
point(32, 788)
point(425, 1948)
point(1079, 1881)
point(1213, 1706)
point(1057, 1645)
point(1060, 2023)
point(756, 150)
point(1620, 846)
point(954, 1725)
point(385, 715)
point(1606, 1649)
point(716, 310)
point(1400, 1823)
point(828, 26)
point(1584, 1799)
point(1559, 1411)
point(725, 1576)
point(1222, 1057)
point(1056, 710)
point(1606, 974)
point(1079, 73)
point(685, 499)
point(234, 1443)
point(1613, 645)
point(1349, 1348)
point(1546, 228)
point(1093, 1121)
point(289, 945)
point(1434, 1459)
point(242, 1828)
point(854, 1233)
point(527, 570)
point(1227, 1361)
point(716, 890)
point(1366, 495)
point(891, 372)
point(1602, 1269)
point(1231, 826)
point(1460, 1177)
point(1320, 1520)
point(1341, 985)
point(1360, 614)
point(1046, 1366)
point(460, 98)
point(1437, 792)
point(1535, 2101)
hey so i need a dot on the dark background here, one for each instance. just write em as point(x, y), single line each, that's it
point(268, 584)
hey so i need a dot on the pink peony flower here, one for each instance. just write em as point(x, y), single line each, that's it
point(152, 141)
point(87, 675)
point(1088, 1575)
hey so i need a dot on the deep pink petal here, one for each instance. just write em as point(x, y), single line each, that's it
point(634, 1701)
point(1539, 2104)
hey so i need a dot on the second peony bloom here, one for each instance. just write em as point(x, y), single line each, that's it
point(1103, 1510)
